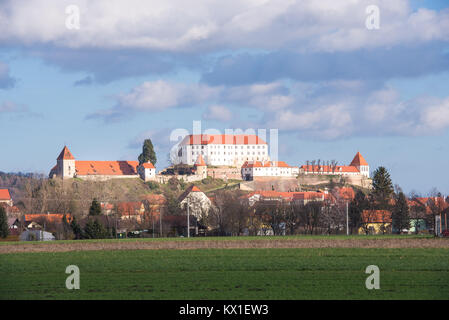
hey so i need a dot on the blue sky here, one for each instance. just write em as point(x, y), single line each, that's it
point(310, 69)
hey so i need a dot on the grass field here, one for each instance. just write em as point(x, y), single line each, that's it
point(319, 273)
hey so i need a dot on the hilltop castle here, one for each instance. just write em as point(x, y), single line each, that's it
point(67, 167)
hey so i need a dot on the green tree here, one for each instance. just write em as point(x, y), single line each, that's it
point(356, 208)
point(94, 230)
point(400, 213)
point(4, 228)
point(382, 188)
point(148, 153)
point(95, 208)
point(76, 229)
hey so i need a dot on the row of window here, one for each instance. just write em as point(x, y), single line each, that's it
point(229, 153)
point(229, 147)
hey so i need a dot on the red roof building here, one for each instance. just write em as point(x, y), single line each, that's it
point(221, 149)
point(68, 167)
point(358, 166)
point(5, 197)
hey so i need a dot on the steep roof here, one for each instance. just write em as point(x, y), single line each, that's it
point(130, 208)
point(267, 164)
point(190, 189)
point(65, 154)
point(4, 194)
point(358, 160)
point(200, 161)
point(222, 139)
point(109, 168)
point(148, 165)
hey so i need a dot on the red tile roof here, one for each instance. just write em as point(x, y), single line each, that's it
point(148, 165)
point(130, 208)
point(50, 217)
point(376, 216)
point(222, 139)
point(200, 161)
point(108, 168)
point(4, 194)
point(155, 199)
point(328, 169)
point(309, 195)
point(267, 164)
point(192, 188)
point(65, 154)
point(346, 193)
point(358, 160)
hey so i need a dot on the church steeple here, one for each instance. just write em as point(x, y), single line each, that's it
point(360, 163)
point(65, 154)
point(66, 166)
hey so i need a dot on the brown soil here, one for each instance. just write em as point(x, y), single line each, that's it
point(226, 244)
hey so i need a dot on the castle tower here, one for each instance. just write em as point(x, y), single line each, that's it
point(66, 164)
point(361, 164)
point(201, 167)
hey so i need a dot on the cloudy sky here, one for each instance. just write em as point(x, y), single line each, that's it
point(311, 69)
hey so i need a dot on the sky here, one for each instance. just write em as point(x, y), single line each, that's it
point(102, 76)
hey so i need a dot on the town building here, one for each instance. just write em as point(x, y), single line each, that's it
point(292, 197)
point(254, 169)
point(5, 197)
point(221, 149)
point(357, 167)
point(196, 200)
point(67, 167)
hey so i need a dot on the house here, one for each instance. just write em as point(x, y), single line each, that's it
point(5, 197)
point(67, 167)
point(376, 222)
point(293, 197)
point(196, 200)
point(14, 226)
point(44, 220)
point(155, 205)
point(36, 235)
point(107, 208)
point(221, 149)
point(253, 169)
point(131, 210)
point(177, 226)
point(357, 167)
point(422, 212)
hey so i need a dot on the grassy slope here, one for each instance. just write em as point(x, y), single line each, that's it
point(228, 274)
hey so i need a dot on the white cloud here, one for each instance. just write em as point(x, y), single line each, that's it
point(206, 25)
point(217, 112)
point(159, 95)
point(327, 110)
point(435, 116)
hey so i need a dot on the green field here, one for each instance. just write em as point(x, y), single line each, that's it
point(327, 273)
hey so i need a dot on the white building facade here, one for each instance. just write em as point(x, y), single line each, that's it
point(221, 150)
point(254, 169)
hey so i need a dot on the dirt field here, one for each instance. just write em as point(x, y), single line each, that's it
point(224, 244)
